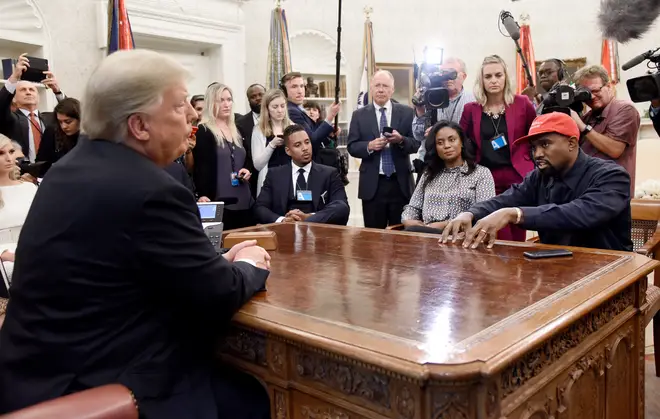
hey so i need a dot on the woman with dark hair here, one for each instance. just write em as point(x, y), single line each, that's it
point(451, 183)
point(61, 138)
point(314, 111)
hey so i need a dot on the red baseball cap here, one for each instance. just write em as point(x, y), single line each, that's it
point(557, 122)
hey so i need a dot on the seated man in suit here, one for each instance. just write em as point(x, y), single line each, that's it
point(302, 190)
point(26, 124)
point(108, 293)
point(293, 86)
point(571, 199)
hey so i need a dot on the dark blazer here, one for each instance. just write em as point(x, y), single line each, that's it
point(245, 125)
point(49, 151)
point(329, 200)
point(318, 133)
point(364, 128)
point(519, 117)
point(124, 288)
point(15, 125)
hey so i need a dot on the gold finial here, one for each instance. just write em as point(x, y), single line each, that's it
point(524, 18)
point(278, 4)
point(368, 11)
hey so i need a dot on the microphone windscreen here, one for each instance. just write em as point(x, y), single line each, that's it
point(624, 20)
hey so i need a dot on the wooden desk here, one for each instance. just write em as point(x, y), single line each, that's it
point(360, 323)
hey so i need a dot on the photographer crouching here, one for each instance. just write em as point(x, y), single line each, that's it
point(609, 130)
point(458, 98)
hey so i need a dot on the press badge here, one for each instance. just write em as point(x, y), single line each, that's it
point(305, 196)
point(498, 142)
point(234, 179)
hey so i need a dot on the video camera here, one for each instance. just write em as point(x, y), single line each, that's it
point(644, 88)
point(433, 91)
point(563, 97)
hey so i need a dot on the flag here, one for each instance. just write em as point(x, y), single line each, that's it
point(609, 57)
point(528, 51)
point(120, 35)
point(279, 51)
point(369, 64)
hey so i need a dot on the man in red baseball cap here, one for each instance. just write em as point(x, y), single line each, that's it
point(571, 198)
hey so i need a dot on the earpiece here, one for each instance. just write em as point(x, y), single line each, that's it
point(282, 86)
point(561, 73)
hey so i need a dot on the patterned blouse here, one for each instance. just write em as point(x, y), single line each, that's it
point(451, 192)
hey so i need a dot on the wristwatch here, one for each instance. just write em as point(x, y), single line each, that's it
point(587, 129)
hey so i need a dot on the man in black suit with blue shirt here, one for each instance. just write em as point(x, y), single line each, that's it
point(381, 136)
point(302, 190)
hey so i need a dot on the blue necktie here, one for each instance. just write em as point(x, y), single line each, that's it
point(386, 153)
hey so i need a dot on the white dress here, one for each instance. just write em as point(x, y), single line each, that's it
point(261, 154)
point(17, 201)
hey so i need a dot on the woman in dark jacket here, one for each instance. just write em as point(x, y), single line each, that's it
point(59, 139)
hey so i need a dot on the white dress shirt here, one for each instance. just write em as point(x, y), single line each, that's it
point(255, 118)
point(294, 178)
point(388, 115)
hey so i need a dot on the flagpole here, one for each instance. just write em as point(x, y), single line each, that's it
point(337, 82)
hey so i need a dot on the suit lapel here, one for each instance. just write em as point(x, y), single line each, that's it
point(510, 126)
point(371, 113)
point(314, 183)
point(25, 134)
point(396, 116)
point(284, 198)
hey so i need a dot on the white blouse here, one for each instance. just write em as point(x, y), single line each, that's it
point(17, 201)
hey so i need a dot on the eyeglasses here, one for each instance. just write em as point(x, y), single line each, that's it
point(547, 72)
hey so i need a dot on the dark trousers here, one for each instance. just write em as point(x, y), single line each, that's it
point(386, 206)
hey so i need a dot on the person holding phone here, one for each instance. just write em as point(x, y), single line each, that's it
point(571, 199)
point(268, 136)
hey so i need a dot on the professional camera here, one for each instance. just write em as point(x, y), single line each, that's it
point(433, 91)
point(644, 88)
point(564, 96)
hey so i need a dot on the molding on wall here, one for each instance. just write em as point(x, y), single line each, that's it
point(22, 22)
point(314, 51)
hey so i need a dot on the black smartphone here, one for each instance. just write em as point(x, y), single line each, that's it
point(387, 131)
point(552, 253)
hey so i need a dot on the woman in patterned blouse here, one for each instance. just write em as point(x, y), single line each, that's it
point(451, 183)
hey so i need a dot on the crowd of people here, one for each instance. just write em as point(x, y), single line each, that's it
point(98, 203)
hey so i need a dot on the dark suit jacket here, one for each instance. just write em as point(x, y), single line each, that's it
point(49, 151)
point(124, 288)
point(318, 133)
point(519, 117)
point(364, 128)
point(329, 200)
point(245, 125)
point(16, 125)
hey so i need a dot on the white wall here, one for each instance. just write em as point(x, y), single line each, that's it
point(468, 29)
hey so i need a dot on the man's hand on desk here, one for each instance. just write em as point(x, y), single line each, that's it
point(249, 250)
point(296, 215)
point(485, 230)
point(460, 224)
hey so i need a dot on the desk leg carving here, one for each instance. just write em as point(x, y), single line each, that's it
point(450, 405)
point(404, 403)
point(322, 413)
point(281, 404)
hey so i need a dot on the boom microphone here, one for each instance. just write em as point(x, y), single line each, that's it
point(637, 60)
point(624, 20)
point(510, 25)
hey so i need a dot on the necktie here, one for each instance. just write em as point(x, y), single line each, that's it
point(301, 183)
point(386, 153)
point(35, 126)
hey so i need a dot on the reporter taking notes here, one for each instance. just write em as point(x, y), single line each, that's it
point(125, 287)
point(570, 198)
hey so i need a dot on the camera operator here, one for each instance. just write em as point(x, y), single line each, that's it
point(654, 114)
point(550, 73)
point(458, 97)
point(609, 130)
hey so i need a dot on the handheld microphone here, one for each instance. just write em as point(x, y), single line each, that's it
point(638, 59)
point(624, 20)
point(510, 25)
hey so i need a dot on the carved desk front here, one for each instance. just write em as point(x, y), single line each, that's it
point(361, 323)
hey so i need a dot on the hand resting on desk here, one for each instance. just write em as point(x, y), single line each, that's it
point(484, 231)
point(249, 250)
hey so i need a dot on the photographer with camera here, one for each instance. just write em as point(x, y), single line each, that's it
point(458, 98)
point(550, 74)
point(609, 130)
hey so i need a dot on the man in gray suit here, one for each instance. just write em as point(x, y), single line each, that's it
point(381, 135)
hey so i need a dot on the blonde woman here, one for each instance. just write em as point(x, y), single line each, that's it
point(267, 138)
point(15, 201)
point(219, 173)
point(493, 123)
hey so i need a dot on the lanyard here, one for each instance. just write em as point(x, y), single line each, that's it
point(458, 100)
point(497, 128)
point(31, 121)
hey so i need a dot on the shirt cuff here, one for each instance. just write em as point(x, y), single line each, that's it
point(530, 217)
point(11, 87)
point(60, 96)
point(279, 220)
point(653, 112)
point(250, 261)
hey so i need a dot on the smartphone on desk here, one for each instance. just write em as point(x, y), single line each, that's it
point(550, 253)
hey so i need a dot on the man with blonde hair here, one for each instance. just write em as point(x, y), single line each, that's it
point(115, 280)
point(609, 130)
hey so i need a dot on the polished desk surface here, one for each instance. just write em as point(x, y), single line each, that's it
point(404, 302)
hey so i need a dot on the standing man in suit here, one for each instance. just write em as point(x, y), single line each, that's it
point(293, 86)
point(386, 181)
point(26, 124)
point(302, 190)
point(246, 124)
point(124, 304)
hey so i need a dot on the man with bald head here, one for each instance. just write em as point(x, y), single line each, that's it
point(26, 124)
point(381, 136)
point(458, 98)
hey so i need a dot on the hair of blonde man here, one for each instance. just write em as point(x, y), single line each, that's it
point(480, 89)
point(211, 108)
point(265, 124)
point(592, 72)
point(126, 83)
point(16, 174)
